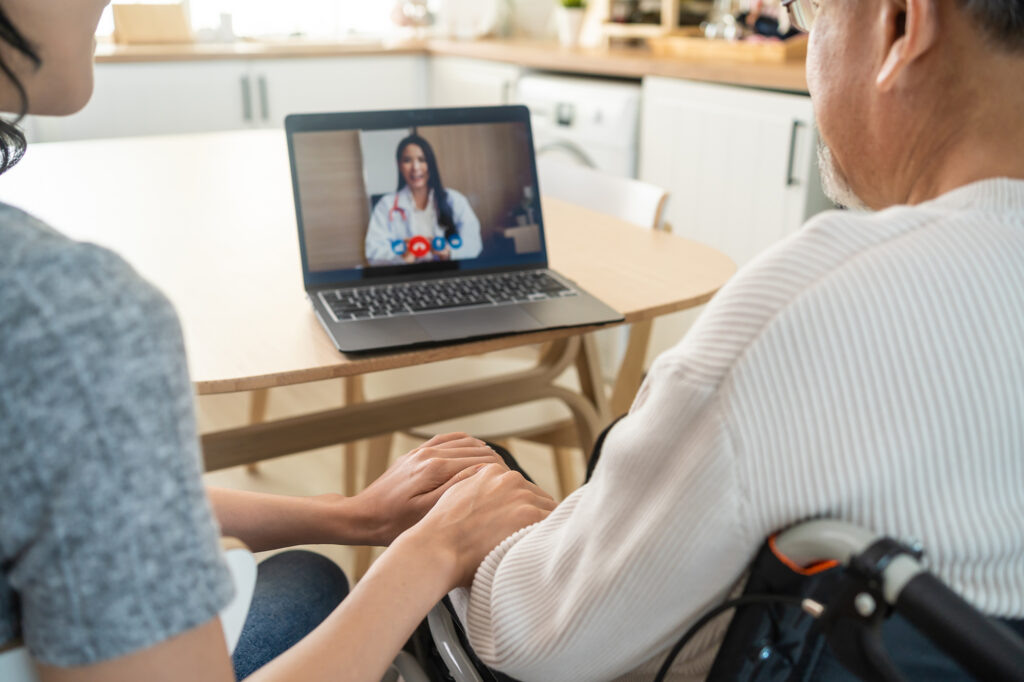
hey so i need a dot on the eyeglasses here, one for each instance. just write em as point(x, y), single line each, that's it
point(801, 13)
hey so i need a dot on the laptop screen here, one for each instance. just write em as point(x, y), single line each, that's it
point(395, 193)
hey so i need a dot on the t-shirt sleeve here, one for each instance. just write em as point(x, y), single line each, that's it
point(108, 541)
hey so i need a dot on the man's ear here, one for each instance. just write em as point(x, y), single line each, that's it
point(914, 29)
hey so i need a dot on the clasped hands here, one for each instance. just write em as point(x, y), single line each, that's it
point(454, 492)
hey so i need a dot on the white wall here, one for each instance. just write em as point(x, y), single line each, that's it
point(379, 170)
point(533, 18)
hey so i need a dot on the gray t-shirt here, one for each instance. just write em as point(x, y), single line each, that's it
point(107, 541)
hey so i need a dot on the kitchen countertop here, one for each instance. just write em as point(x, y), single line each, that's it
point(107, 53)
point(545, 55)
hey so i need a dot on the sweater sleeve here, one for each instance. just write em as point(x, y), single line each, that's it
point(627, 562)
point(691, 481)
point(665, 528)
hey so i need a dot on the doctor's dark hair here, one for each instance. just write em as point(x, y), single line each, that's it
point(444, 210)
point(12, 140)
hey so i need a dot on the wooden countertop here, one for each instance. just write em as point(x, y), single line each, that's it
point(107, 53)
point(624, 63)
point(544, 55)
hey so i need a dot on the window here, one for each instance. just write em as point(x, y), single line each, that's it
point(326, 19)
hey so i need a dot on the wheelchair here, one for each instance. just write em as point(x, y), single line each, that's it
point(821, 583)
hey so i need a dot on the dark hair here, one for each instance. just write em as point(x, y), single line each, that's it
point(1002, 20)
point(12, 140)
point(444, 211)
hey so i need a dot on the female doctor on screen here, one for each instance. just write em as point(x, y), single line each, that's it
point(422, 221)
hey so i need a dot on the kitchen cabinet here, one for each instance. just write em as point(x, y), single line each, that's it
point(154, 98)
point(285, 86)
point(740, 165)
point(458, 82)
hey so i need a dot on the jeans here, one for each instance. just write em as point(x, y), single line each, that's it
point(295, 591)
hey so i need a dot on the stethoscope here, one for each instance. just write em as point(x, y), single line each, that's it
point(396, 207)
point(419, 245)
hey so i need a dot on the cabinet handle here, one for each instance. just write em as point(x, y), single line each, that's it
point(261, 83)
point(790, 179)
point(246, 99)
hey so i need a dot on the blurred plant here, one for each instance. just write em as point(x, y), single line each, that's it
point(411, 13)
point(573, 4)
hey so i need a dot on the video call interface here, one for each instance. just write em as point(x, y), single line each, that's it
point(415, 196)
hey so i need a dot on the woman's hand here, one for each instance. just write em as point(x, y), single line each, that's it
point(414, 483)
point(477, 513)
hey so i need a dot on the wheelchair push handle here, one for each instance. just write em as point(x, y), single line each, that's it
point(985, 648)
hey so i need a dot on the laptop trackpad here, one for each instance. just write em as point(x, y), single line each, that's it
point(460, 324)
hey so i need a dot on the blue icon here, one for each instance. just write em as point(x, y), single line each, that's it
point(455, 240)
point(438, 243)
point(398, 246)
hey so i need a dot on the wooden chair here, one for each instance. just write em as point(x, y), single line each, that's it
point(634, 201)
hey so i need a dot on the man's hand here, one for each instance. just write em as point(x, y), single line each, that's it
point(413, 484)
point(476, 514)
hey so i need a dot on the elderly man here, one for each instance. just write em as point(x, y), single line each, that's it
point(870, 368)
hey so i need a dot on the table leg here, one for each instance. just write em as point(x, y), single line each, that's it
point(353, 389)
point(588, 367)
point(631, 371)
point(257, 414)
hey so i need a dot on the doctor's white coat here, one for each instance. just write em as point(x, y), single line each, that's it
point(387, 225)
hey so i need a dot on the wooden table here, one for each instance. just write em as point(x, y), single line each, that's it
point(209, 219)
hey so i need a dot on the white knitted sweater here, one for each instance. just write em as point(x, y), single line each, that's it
point(870, 368)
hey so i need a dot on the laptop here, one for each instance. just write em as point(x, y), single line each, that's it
point(424, 226)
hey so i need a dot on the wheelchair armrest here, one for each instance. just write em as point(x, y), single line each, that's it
point(446, 639)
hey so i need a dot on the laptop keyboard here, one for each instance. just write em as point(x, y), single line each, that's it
point(390, 300)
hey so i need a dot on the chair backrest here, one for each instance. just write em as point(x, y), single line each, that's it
point(622, 353)
point(17, 666)
point(634, 201)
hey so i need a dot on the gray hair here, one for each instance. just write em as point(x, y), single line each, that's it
point(1002, 20)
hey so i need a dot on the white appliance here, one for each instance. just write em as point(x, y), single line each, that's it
point(593, 122)
point(585, 120)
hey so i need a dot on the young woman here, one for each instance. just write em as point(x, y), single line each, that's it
point(422, 221)
point(109, 563)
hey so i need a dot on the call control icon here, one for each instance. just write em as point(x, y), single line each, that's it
point(419, 246)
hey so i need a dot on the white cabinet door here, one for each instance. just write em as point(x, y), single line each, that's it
point(740, 164)
point(306, 85)
point(155, 98)
point(458, 82)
